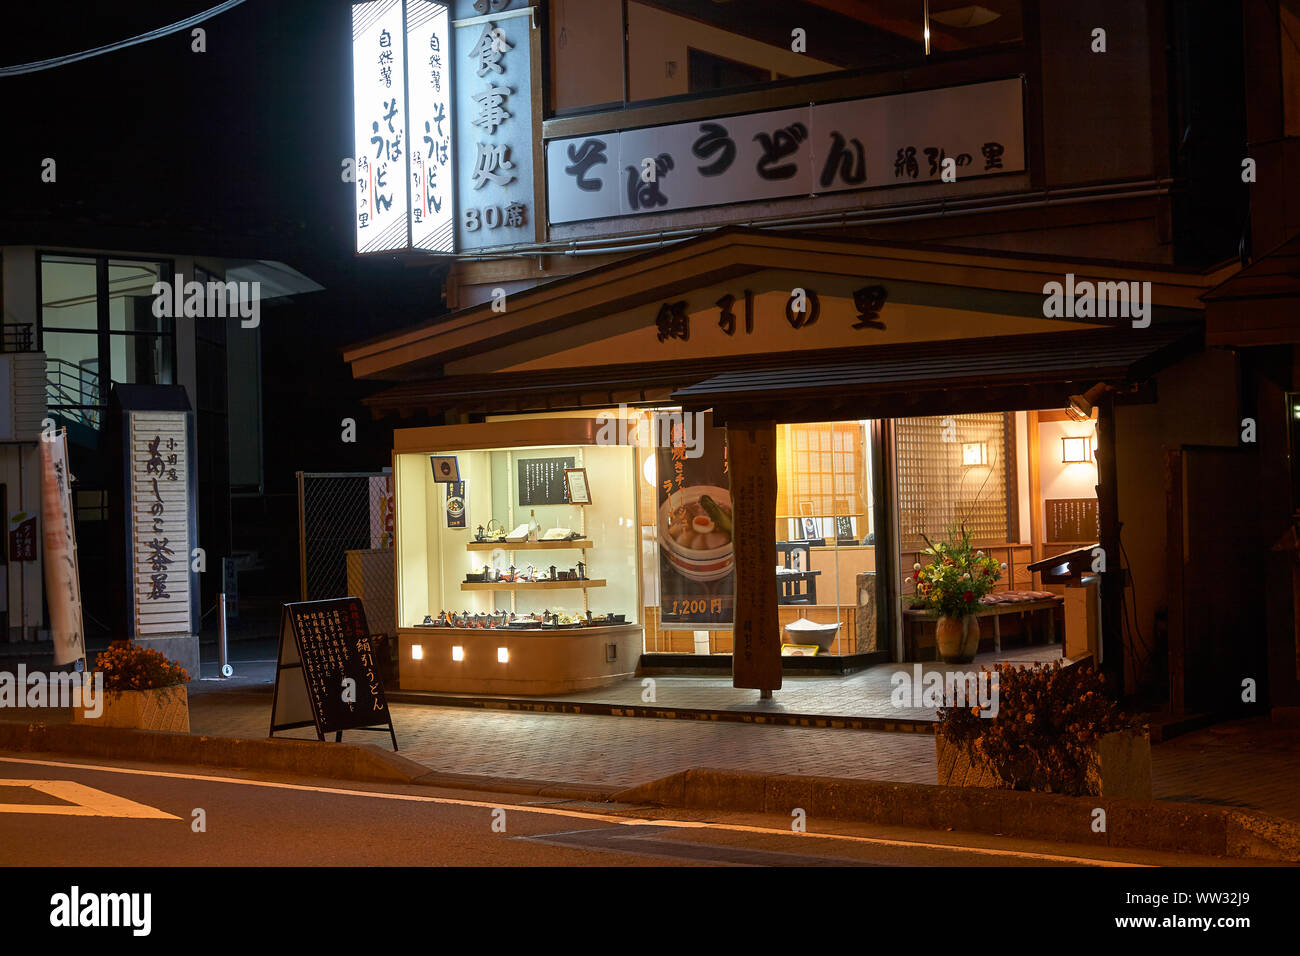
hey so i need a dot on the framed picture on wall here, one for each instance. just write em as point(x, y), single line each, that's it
point(575, 482)
point(805, 509)
point(445, 468)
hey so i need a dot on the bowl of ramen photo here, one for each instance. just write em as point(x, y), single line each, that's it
point(695, 532)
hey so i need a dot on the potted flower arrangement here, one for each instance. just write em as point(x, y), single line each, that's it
point(1056, 730)
point(143, 690)
point(951, 585)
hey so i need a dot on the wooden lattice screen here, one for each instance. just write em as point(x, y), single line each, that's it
point(936, 489)
point(821, 469)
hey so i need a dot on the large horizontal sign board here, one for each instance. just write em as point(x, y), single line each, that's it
point(897, 140)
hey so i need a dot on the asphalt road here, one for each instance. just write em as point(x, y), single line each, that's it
point(145, 815)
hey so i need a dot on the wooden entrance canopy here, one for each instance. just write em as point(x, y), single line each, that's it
point(898, 331)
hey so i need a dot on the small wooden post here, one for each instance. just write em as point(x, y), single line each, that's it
point(756, 652)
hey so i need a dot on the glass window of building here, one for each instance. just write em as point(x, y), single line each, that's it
point(97, 327)
point(679, 47)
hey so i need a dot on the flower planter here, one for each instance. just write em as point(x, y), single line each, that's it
point(957, 639)
point(162, 708)
point(1120, 766)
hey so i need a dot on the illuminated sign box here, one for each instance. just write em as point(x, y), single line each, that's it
point(402, 126)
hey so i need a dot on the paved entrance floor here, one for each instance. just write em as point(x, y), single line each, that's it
point(866, 694)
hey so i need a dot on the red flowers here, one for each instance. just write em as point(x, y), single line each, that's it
point(968, 596)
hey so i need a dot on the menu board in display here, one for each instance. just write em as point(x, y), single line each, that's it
point(326, 675)
point(1072, 519)
point(541, 481)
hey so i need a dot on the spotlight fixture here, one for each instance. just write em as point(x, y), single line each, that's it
point(1081, 406)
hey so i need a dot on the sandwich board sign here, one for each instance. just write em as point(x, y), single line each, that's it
point(325, 672)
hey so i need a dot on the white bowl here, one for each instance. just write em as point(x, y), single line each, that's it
point(694, 563)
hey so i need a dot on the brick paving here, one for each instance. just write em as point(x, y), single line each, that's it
point(1247, 763)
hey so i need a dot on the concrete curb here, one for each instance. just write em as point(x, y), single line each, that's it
point(1133, 824)
point(304, 757)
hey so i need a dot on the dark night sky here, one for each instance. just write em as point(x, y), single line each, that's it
point(233, 152)
point(244, 140)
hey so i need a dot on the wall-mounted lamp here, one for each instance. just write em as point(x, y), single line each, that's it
point(1075, 450)
point(974, 453)
point(417, 652)
point(457, 653)
point(503, 655)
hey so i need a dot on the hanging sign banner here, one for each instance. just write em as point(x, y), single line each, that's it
point(62, 578)
point(696, 557)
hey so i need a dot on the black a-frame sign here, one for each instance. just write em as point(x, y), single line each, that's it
point(325, 674)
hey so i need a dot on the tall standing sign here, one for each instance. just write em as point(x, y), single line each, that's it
point(62, 577)
point(159, 530)
point(402, 125)
point(154, 515)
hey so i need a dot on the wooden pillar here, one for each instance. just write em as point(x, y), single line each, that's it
point(1113, 580)
point(884, 473)
point(1175, 551)
point(1035, 498)
point(756, 651)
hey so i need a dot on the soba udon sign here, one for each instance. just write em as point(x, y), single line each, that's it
point(696, 558)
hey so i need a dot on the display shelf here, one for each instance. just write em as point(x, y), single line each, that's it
point(531, 585)
point(576, 545)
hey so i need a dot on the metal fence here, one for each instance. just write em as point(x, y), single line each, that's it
point(345, 541)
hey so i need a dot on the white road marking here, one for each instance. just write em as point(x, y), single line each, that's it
point(579, 814)
point(82, 801)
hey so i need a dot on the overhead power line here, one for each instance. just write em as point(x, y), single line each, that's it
point(51, 63)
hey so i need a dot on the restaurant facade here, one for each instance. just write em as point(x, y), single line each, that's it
point(700, 414)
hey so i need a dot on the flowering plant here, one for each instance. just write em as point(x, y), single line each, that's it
point(1049, 719)
point(128, 666)
point(957, 575)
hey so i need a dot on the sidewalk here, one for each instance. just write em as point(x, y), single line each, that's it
point(1248, 763)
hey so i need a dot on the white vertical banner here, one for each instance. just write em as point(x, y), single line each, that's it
point(62, 579)
point(159, 527)
point(428, 97)
point(379, 113)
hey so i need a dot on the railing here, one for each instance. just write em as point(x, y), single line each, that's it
point(17, 337)
point(67, 385)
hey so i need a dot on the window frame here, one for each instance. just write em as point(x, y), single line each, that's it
point(103, 333)
point(1021, 53)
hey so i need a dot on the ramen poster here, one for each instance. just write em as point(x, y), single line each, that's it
point(696, 559)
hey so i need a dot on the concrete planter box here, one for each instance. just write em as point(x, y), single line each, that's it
point(1120, 766)
point(163, 708)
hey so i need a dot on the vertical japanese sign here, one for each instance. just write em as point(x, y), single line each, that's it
point(159, 495)
point(380, 126)
point(494, 122)
point(455, 504)
point(62, 578)
point(428, 96)
point(696, 557)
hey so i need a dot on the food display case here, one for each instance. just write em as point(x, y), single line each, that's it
point(505, 583)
